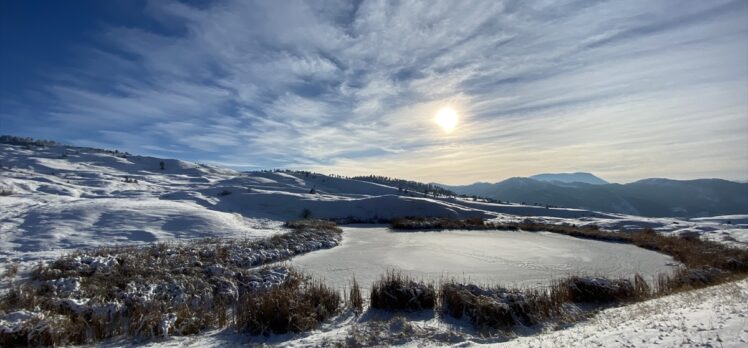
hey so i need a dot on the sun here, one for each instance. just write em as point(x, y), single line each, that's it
point(447, 119)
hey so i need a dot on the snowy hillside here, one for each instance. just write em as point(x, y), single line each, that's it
point(63, 197)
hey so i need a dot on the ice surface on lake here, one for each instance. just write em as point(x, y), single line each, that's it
point(482, 257)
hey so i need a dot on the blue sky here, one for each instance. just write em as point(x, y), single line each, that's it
point(623, 89)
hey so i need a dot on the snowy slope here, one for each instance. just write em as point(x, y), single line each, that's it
point(66, 197)
point(713, 317)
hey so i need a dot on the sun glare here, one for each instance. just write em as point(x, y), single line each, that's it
point(447, 119)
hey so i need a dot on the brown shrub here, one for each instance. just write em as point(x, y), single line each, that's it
point(394, 291)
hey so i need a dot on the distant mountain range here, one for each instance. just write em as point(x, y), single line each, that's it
point(648, 197)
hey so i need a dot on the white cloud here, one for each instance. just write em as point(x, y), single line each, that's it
point(627, 89)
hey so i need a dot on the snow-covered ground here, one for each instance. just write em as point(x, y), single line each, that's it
point(712, 317)
point(68, 197)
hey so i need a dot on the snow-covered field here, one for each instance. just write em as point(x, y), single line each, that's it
point(64, 198)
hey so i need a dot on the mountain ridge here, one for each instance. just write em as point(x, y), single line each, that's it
point(576, 177)
point(652, 197)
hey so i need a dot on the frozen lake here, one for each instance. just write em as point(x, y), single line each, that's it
point(484, 257)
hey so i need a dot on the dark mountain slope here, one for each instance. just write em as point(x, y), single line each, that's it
point(649, 197)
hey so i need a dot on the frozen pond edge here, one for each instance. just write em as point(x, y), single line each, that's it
point(506, 258)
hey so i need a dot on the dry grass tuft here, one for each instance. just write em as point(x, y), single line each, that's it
point(296, 305)
point(355, 299)
point(491, 308)
point(686, 278)
point(604, 290)
point(395, 291)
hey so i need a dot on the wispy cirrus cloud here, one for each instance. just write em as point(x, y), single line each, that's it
point(626, 89)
